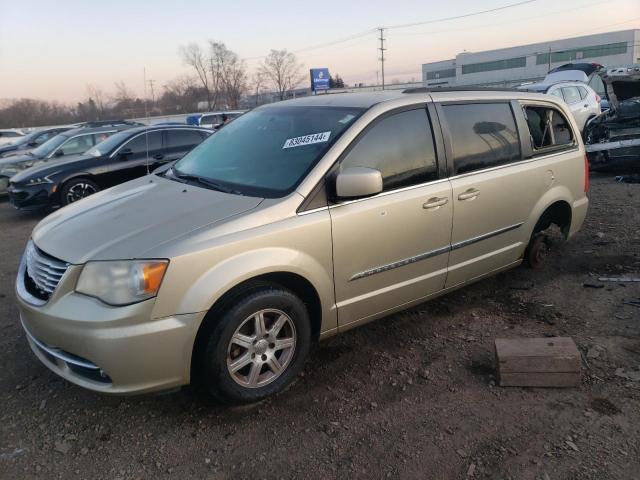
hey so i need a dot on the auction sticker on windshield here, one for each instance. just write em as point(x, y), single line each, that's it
point(307, 140)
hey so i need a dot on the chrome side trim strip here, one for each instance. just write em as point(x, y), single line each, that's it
point(57, 353)
point(433, 253)
point(484, 236)
point(401, 263)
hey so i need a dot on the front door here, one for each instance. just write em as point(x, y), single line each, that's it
point(135, 157)
point(392, 249)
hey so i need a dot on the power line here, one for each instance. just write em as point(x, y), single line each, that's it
point(456, 17)
point(373, 30)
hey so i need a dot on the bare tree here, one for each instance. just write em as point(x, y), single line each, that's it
point(228, 75)
point(257, 84)
point(283, 70)
point(193, 56)
point(97, 95)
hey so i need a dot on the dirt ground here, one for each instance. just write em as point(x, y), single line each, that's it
point(409, 396)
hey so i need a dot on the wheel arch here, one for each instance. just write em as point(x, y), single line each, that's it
point(296, 283)
point(553, 208)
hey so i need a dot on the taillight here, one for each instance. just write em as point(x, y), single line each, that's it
point(598, 98)
point(586, 173)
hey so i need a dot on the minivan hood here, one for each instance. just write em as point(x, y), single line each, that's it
point(126, 221)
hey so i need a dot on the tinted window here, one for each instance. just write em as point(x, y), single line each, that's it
point(76, 145)
point(183, 138)
point(547, 127)
point(210, 119)
point(145, 142)
point(571, 94)
point(268, 151)
point(401, 147)
point(483, 135)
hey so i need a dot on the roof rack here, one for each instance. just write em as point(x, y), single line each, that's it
point(108, 123)
point(458, 89)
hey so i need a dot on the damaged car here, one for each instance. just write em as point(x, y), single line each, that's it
point(612, 140)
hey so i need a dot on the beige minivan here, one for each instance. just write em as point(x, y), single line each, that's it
point(297, 221)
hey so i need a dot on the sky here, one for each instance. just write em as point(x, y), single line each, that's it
point(54, 50)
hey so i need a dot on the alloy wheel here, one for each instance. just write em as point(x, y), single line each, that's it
point(261, 348)
point(79, 191)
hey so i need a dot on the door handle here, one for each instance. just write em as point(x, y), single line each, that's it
point(586, 105)
point(469, 194)
point(435, 202)
point(158, 156)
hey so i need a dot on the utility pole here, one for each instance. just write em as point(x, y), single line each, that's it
point(153, 96)
point(382, 49)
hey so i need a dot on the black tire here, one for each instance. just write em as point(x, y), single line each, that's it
point(216, 344)
point(77, 189)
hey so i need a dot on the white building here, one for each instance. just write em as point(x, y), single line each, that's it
point(514, 65)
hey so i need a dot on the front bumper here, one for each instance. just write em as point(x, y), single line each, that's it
point(32, 197)
point(118, 350)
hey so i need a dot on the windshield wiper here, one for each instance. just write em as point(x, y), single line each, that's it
point(204, 181)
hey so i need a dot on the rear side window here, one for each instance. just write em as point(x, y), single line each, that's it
point(483, 135)
point(571, 94)
point(183, 138)
point(547, 127)
point(146, 141)
point(401, 147)
point(77, 145)
point(557, 93)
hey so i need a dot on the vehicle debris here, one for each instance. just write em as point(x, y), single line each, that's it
point(613, 138)
point(635, 178)
point(619, 279)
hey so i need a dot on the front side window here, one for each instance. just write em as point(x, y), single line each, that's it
point(571, 94)
point(268, 151)
point(483, 135)
point(401, 147)
point(557, 93)
point(547, 127)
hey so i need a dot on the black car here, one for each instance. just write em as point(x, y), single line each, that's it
point(31, 140)
point(123, 156)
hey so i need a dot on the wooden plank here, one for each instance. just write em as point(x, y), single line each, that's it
point(540, 379)
point(538, 362)
point(556, 354)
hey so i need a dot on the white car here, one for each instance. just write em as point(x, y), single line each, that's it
point(583, 101)
point(7, 137)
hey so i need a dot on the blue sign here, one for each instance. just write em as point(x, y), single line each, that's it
point(319, 79)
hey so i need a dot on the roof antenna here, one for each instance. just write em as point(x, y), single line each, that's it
point(146, 115)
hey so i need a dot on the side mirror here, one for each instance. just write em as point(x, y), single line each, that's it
point(357, 182)
point(124, 153)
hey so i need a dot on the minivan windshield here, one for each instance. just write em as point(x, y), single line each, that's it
point(267, 152)
point(49, 146)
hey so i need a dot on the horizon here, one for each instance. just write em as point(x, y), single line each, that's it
point(68, 48)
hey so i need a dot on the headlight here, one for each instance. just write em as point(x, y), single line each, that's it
point(39, 181)
point(122, 282)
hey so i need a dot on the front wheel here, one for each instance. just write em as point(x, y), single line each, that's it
point(257, 347)
point(77, 189)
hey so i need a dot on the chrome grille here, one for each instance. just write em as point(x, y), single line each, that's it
point(43, 270)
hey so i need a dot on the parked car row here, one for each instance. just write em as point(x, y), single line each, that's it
point(128, 153)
